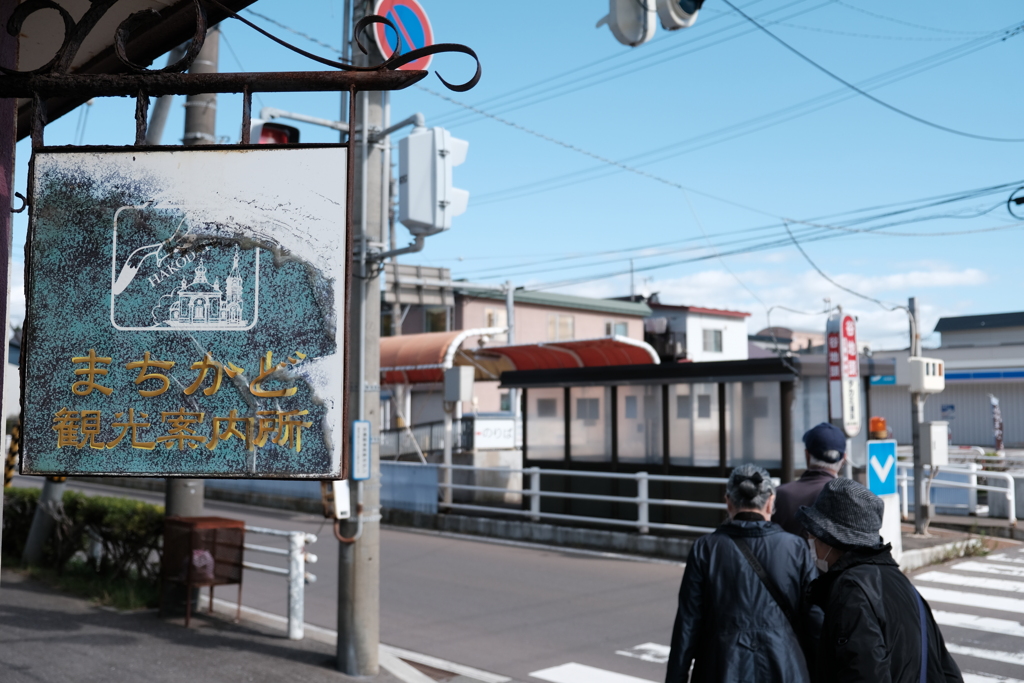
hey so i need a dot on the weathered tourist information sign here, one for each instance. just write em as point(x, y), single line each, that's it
point(185, 313)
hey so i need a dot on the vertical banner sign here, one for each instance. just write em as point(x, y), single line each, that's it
point(360, 450)
point(186, 313)
point(844, 386)
point(997, 422)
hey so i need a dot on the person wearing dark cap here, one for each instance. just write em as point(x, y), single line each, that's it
point(877, 626)
point(825, 450)
point(742, 616)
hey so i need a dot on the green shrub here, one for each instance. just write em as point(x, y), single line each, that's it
point(129, 531)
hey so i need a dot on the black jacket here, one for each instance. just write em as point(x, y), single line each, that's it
point(804, 491)
point(872, 628)
point(728, 625)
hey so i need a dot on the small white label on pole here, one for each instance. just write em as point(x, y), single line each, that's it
point(360, 450)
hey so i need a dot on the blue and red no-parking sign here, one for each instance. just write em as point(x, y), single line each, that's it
point(412, 23)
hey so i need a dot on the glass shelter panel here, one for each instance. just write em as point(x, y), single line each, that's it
point(639, 418)
point(681, 416)
point(704, 403)
point(755, 423)
point(591, 424)
point(545, 434)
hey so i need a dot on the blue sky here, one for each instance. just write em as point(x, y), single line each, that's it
point(697, 104)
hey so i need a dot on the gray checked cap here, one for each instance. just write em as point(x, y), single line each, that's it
point(845, 515)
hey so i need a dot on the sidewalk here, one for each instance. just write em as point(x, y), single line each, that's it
point(50, 636)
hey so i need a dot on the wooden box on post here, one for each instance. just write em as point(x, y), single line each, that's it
point(202, 551)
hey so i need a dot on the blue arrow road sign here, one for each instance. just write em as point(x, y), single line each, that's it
point(882, 467)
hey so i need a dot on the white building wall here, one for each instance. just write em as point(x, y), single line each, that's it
point(972, 422)
point(734, 337)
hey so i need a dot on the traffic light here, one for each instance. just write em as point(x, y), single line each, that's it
point(632, 21)
point(677, 14)
point(268, 133)
point(427, 202)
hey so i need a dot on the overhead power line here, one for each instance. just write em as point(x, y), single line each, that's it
point(864, 93)
point(748, 126)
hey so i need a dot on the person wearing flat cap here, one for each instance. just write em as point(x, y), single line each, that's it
point(742, 611)
point(825, 450)
point(877, 627)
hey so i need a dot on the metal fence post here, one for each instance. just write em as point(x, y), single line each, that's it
point(296, 584)
point(642, 507)
point(972, 493)
point(535, 494)
point(904, 496)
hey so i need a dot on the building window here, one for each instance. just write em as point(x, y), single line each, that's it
point(683, 409)
point(713, 341)
point(630, 408)
point(588, 408)
point(704, 406)
point(506, 402)
point(435, 319)
point(561, 327)
point(496, 317)
point(618, 328)
point(547, 407)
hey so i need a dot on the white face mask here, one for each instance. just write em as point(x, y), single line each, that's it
point(821, 564)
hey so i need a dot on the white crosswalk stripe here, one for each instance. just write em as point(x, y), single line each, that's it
point(989, 568)
point(984, 678)
point(988, 624)
point(973, 582)
point(581, 673)
point(981, 631)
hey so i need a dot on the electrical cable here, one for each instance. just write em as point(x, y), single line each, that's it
point(905, 23)
point(647, 58)
point(864, 93)
point(741, 128)
point(224, 37)
point(888, 307)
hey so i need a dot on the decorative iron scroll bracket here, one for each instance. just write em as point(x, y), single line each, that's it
point(54, 79)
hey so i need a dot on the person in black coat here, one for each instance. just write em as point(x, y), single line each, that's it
point(874, 617)
point(729, 626)
point(825, 450)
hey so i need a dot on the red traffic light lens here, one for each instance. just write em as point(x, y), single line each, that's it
point(277, 134)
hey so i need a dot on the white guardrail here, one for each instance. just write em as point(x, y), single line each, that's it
point(296, 572)
point(972, 471)
point(533, 492)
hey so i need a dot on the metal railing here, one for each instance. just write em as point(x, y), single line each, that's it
point(296, 572)
point(905, 478)
point(532, 491)
point(429, 436)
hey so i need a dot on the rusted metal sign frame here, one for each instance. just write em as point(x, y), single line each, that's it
point(53, 79)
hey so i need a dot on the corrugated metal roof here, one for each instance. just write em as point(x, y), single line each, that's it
point(583, 303)
point(980, 322)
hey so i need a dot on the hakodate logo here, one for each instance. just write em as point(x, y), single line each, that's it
point(170, 284)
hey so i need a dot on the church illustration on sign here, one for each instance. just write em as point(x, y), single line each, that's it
point(202, 305)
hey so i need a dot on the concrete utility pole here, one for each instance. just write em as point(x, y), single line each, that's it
point(162, 106)
point(922, 508)
point(8, 135)
point(359, 561)
point(184, 497)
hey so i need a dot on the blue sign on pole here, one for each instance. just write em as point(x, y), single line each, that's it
point(882, 467)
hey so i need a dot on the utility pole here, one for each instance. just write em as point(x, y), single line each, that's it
point(184, 497)
point(922, 508)
point(162, 106)
point(359, 561)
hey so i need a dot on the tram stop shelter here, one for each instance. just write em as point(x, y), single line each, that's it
point(691, 419)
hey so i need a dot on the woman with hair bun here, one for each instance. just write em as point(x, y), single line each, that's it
point(742, 614)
